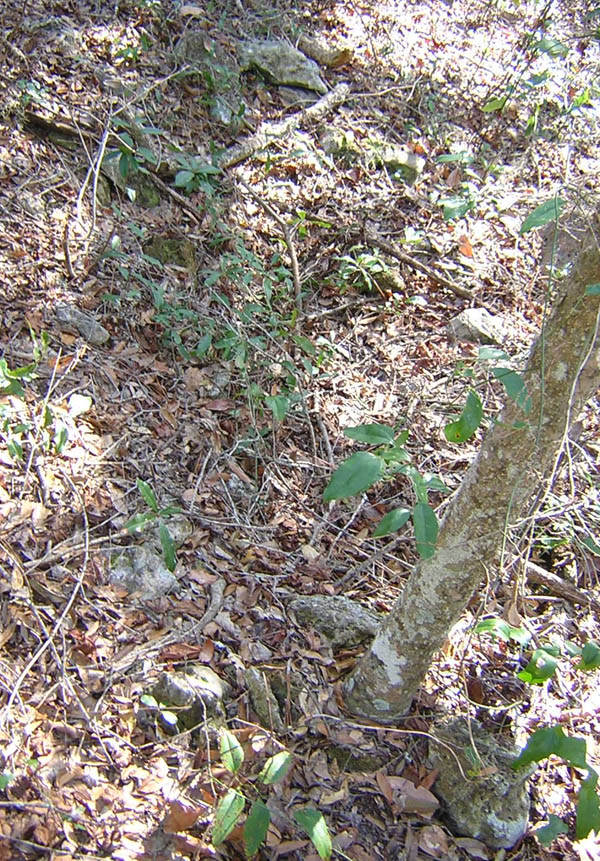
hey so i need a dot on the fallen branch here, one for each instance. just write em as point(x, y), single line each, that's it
point(558, 586)
point(268, 132)
point(373, 239)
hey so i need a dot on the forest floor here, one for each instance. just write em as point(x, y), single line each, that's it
point(221, 384)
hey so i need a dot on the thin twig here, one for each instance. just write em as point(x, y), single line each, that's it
point(287, 235)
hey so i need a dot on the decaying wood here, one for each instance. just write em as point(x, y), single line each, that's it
point(269, 132)
point(557, 586)
point(373, 238)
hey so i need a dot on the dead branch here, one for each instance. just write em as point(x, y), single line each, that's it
point(268, 132)
point(373, 238)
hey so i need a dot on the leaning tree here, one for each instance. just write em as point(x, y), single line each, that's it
point(519, 456)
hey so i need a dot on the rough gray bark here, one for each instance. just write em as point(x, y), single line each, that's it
point(562, 373)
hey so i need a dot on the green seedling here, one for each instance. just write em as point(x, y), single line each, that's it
point(542, 666)
point(364, 469)
point(231, 807)
point(155, 514)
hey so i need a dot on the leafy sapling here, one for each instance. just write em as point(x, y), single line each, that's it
point(139, 521)
point(363, 469)
point(552, 740)
point(231, 807)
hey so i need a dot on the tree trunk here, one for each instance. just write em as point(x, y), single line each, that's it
point(518, 453)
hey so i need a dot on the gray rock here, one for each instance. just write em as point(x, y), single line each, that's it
point(142, 569)
point(401, 162)
point(478, 326)
point(139, 187)
point(221, 74)
point(344, 622)
point(492, 803)
point(195, 694)
point(70, 319)
point(263, 700)
point(282, 64)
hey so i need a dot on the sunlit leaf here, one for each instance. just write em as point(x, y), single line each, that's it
point(276, 767)
point(489, 353)
point(426, 529)
point(315, 826)
point(227, 814)
point(232, 752)
point(470, 419)
point(546, 212)
point(541, 667)
point(496, 104)
point(552, 47)
point(501, 629)
point(256, 827)
point(358, 473)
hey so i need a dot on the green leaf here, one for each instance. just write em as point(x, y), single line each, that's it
point(588, 809)
point(552, 740)
point(315, 826)
point(139, 521)
point(358, 473)
point(426, 529)
point(590, 657)
point(228, 812)
point(168, 546)
point(592, 290)
point(276, 767)
point(279, 406)
point(183, 178)
point(455, 207)
point(501, 629)
point(541, 667)
point(494, 105)
point(232, 752)
point(305, 344)
point(551, 831)
point(515, 387)
point(392, 521)
point(470, 419)
point(592, 545)
point(373, 434)
point(546, 212)
point(147, 495)
point(434, 482)
point(60, 438)
point(488, 353)
point(256, 827)
point(552, 47)
point(5, 778)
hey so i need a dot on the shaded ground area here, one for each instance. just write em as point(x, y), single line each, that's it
point(243, 307)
